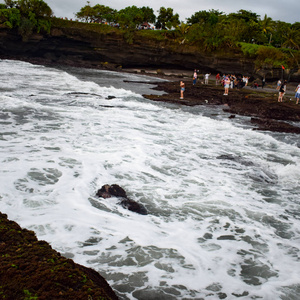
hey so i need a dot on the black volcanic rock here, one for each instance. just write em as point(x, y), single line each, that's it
point(31, 269)
point(114, 190)
point(262, 106)
point(272, 125)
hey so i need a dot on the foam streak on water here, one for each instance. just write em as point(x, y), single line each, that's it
point(223, 200)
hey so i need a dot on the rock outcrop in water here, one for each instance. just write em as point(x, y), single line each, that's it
point(114, 190)
point(31, 269)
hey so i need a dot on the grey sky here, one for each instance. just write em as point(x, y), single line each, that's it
point(287, 10)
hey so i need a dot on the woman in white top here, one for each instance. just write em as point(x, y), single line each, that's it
point(226, 85)
point(278, 85)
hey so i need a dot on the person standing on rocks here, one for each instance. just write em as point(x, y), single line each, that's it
point(182, 89)
point(195, 77)
point(206, 76)
point(282, 90)
point(297, 96)
point(226, 85)
point(218, 79)
point(278, 85)
point(263, 82)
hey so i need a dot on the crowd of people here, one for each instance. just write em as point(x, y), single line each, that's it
point(239, 81)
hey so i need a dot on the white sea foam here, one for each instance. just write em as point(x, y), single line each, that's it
point(222, 199)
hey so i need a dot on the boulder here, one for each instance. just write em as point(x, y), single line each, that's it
point(114, 190)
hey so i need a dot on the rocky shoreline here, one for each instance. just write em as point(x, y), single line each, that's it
point(260, 104)
point(31, 269)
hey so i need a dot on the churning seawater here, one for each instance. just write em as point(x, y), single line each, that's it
point(223, 200)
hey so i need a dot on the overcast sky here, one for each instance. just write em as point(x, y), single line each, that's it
point(283, 10)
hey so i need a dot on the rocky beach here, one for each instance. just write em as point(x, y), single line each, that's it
point(260, 104)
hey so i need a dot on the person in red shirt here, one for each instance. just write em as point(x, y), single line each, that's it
point(217, 79)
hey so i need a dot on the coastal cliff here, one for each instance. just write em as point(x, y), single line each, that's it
point(81, 47)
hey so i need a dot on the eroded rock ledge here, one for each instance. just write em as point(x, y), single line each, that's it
point(31, 269)
point(261, 105)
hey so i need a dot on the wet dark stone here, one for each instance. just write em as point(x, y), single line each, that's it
point(110, 97)
point(262, 106)
point(31, 269)
point(244, 294)
point(222, 295)
point(114, 190)
point(226, 237)
point(208, 236)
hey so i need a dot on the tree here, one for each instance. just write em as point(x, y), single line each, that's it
point(181, 31)
point(102, 12)
point(27, 16)
point(166, 18)
point(245, 15)
point(130, 17)
point(10, 17)
point(86, 13)
point(267, 27)
point(207, 17)
point(38, 7)
point(10, 3)
point(248, 27)
point(148, 14)
point(292, 39)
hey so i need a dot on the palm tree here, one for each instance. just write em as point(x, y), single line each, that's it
point(292, 39)
point(182, 30)
point(267, 26)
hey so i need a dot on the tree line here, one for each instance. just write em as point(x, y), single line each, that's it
point(210, 27)
point(272, 43)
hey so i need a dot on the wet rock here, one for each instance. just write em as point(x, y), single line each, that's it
point(31, 269)
point(110, 97)
point(273, 125)
point(208, 236)
point(244, 294)
point(222, 295)
point(226, 237)
point(134, 206)
point(114, 190)
point(261, 106)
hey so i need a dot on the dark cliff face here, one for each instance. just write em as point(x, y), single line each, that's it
point(85, 48)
